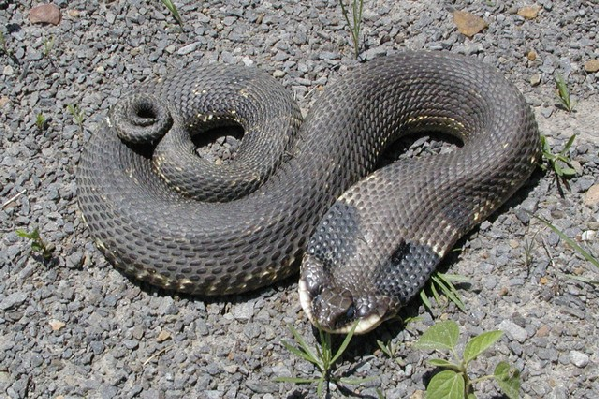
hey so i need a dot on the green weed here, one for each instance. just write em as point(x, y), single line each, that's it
point(453, 381)
point(3, 46)
point(38, 245)
point(443, 283)
point(564, 93)
point(4, 49)
point(41, 122)
point(48, 46)
point(528, 247)
point(323, 359)
point(559, 162)
point(354, 22)
point(390, 348)
point(173, 9)
point(78, 115)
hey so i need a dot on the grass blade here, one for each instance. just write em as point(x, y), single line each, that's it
point(295, 380)
point(345, 343)
point(356, 381)
point(308, 354)
point(590, 258)
point(564, 93)
point(450, 292)
point(427, 304)
point(173, 9)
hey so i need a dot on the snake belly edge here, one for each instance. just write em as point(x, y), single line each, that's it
point(305, 191)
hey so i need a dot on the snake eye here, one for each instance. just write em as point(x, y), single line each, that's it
point(351, 311)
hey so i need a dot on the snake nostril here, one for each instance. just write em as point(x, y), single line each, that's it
point(363, 311)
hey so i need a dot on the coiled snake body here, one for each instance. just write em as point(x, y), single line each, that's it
point(367, 242)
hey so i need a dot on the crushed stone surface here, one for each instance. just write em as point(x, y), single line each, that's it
point(75, 327)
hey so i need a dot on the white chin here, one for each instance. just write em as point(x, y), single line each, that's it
point(364, 325)
point(305, 300)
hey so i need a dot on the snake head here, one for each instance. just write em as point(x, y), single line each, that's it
point(335, 309)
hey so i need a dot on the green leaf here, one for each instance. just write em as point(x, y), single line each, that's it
point(508, 379)
point(300, 340)
point(590, 258)
point(300, 353)
point(471, 395)
point(479, 344)
point(295, 380)
point(569, 172)
point(443, 363)
point(455, 278)
point(446, 385)
point(319, 388)
point(356, 381)
point(173, 9)
point(579, 278)
point(564, 93)
point(34, 235)
point(568, 145)
point(36, 247)
point(434, 290)
point(443, 335)
point(385, 348)
point(425, 301)
point(344, 344)
point(450, 292)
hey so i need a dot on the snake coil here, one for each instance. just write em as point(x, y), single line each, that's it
point(305, 190)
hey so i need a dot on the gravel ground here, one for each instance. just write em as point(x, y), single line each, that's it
point(75, 327)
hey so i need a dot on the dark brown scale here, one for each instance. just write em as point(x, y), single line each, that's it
point(385, 235)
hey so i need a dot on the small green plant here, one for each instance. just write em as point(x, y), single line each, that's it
point(390, 348)
point(564, 93)
point(48, 46)
point(453, 381)
point(559, 162)
point(4, 49)
point(354, 22)
point(528, 247)
point(41, 122)
point(38, 245)
point(173, 9)
point(443, 282)
point(323, 358)
point(3, 46)
point(78, 115)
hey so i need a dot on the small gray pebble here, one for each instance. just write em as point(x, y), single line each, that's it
point(252, 330)
point(13, 301)
point(513, 331)
point(213, 394)
point(75, 260)
point(190, 48)
point(110, 301)
point(97, 347)
point(152, 393)
point(579, 359)
point(131, 343)
point(547, 112)
point(109, 391)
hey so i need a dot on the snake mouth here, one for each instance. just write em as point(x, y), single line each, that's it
point(337, 311)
